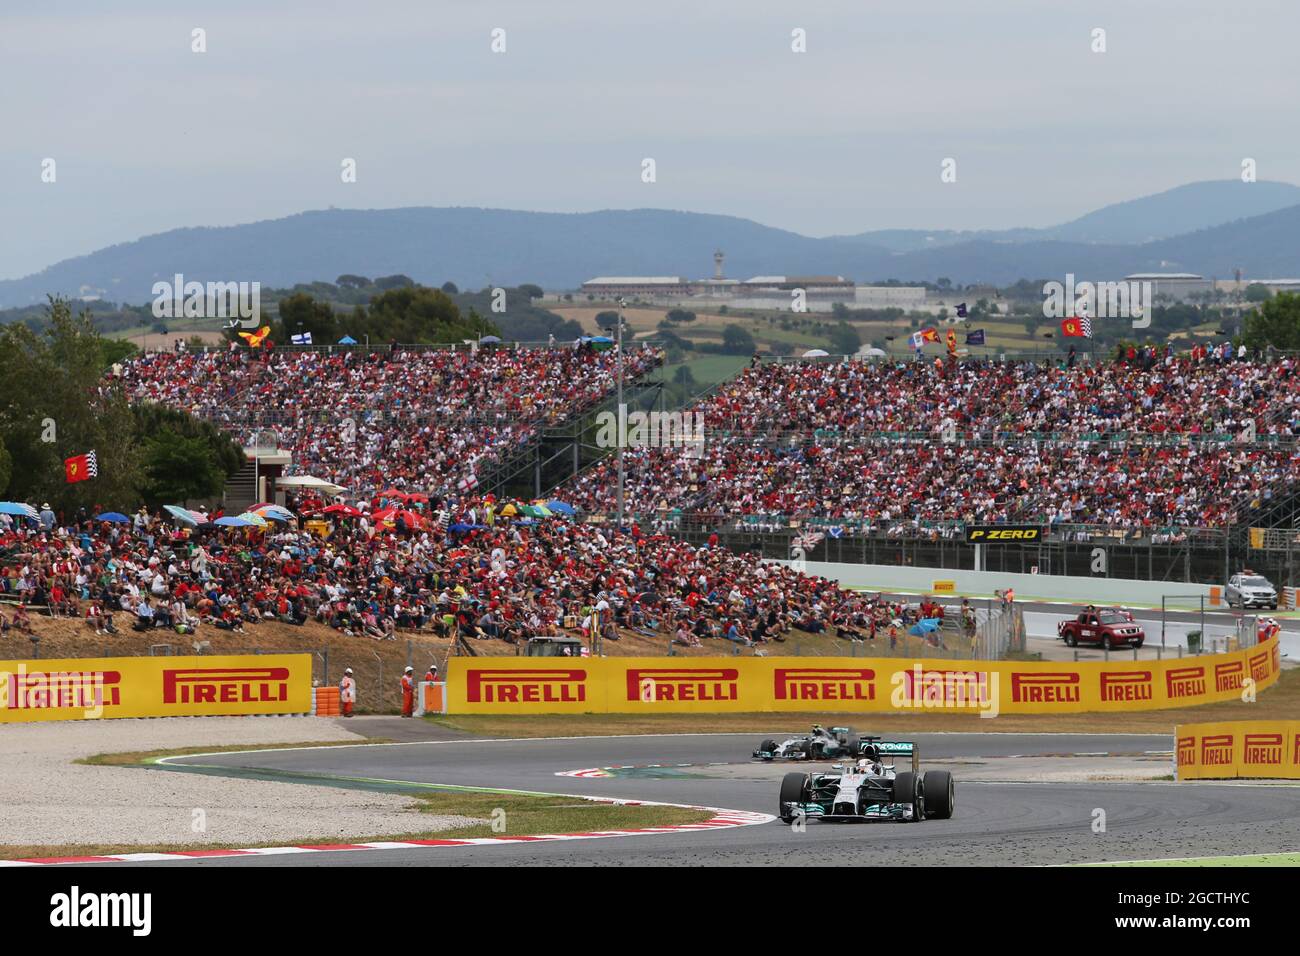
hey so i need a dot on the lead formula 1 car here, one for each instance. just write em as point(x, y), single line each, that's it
point(872, 788)
point(821, 744)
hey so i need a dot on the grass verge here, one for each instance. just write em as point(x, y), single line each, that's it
point(1253, 859)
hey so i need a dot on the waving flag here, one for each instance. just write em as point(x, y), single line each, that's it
point(975, 338)
point(930, 335)
point(961, 310)
point(951, 340)
point(81, 467)
point(301, 338)
point(255, 339)
point(1077, 327)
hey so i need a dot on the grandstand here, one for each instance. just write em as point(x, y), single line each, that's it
point(1163, 459)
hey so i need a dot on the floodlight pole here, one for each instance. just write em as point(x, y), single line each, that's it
point(622, 415)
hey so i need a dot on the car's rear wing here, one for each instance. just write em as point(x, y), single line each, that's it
point(897, 748)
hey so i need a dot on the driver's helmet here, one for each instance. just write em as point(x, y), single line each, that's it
point(864, 766)
point(870, 752)
point(819, 730)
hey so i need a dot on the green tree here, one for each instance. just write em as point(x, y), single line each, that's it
point(176, 469)
point(450, 288)
point(532, 290)
point(845, 339)
point(349, 281)
point(115, 350)
point(300, 313)
point(1258, 292)
point(6, 467)
point(737, 341)
point(53, 406)
point(1276, 323)
point(415, 314)
point(679, 315)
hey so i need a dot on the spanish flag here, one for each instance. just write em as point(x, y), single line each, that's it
point(930, 335)
point(254, 339)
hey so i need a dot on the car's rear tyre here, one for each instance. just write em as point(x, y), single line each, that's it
point(1106, 643)
point(1071, 640)
point(852, 746)
point(939, 793)
point(907, 789)
point(793, 788)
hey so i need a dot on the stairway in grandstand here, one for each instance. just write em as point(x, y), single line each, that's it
point(241, 490)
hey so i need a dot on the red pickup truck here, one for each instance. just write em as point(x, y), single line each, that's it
point(1110, 627)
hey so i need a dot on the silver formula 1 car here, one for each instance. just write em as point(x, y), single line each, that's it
point(871, 788)
point(821, 744)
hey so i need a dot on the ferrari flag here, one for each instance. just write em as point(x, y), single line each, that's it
point(1077, 327)
point(81, 467)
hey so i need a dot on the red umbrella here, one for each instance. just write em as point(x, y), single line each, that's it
point(391, 515)
point(344, 511)
point(394, 493)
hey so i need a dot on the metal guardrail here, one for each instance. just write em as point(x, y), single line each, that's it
point(702, 521)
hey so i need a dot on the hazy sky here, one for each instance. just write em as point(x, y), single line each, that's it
point(846, 137)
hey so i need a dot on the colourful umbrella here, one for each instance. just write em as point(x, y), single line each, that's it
point(183, 515)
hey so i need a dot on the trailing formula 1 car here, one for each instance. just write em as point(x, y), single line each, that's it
point(821, 744)
point(869, 789)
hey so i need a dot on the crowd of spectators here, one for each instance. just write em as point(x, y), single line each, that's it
point(497, 578)
point(1172, 393)
point(1154, 442)
point(425, 419)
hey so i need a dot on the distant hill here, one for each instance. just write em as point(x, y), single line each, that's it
point(1209, 228)
point(1187, 208)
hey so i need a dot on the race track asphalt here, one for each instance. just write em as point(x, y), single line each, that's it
point(994, 823)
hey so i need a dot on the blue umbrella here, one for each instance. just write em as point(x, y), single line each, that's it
point(924, 626)
point(559, 507)
point(18, 508)
point(347, 340)
point(232, 522)
point(490, 340)
point(116, 517)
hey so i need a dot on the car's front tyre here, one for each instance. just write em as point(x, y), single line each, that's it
point(907, 790)
point(939, 792)
point(794, 786)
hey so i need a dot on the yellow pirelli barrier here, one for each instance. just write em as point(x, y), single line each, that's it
point(1240, 748)
point(100, 687)
point(629, 685)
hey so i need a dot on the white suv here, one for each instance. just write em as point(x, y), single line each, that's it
point(1250, 590)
